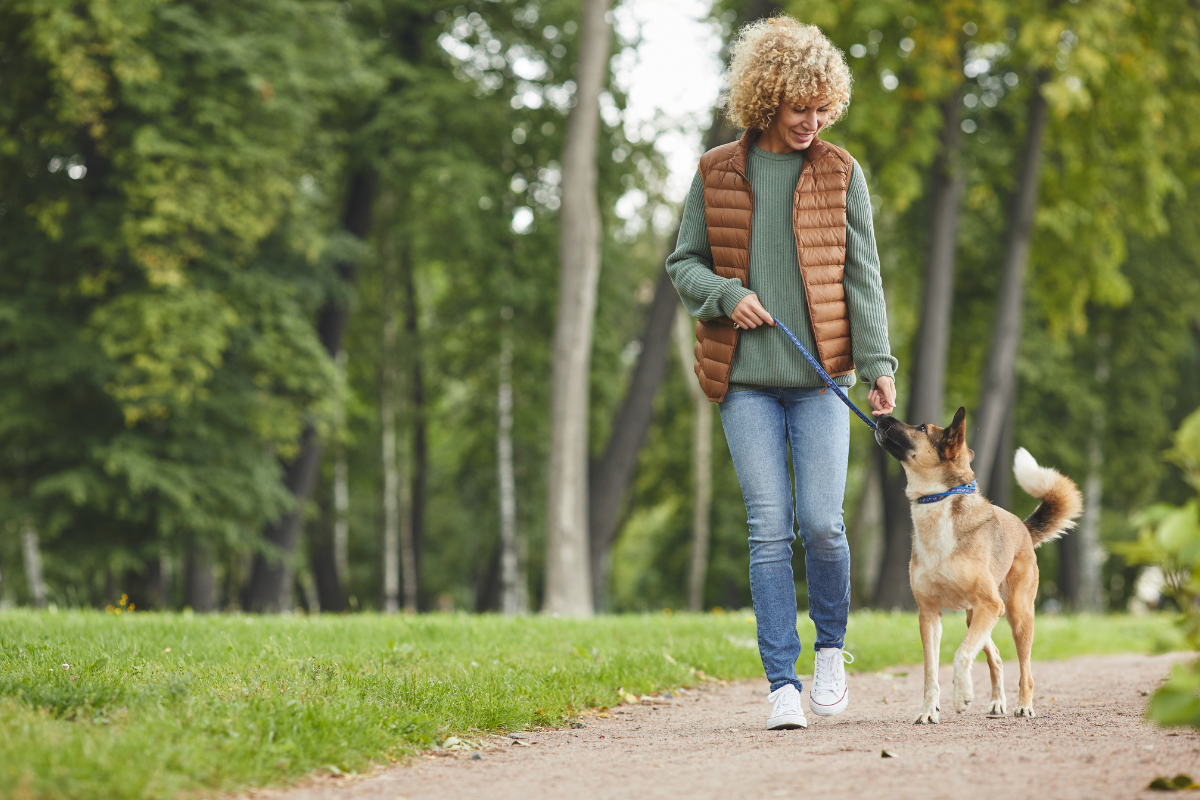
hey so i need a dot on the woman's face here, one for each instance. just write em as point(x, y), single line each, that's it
point(796, 124)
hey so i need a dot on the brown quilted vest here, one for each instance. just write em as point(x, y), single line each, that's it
point(819, 217)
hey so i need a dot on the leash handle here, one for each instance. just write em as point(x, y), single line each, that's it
point(825, 375)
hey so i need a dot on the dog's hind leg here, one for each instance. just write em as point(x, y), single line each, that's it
point(996, 671)
point(983, 618)
point(1023, 578)
point(996, 668)
point(931, 642)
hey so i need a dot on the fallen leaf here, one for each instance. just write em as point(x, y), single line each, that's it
point(1180, 783)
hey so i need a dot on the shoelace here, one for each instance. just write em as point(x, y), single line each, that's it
point(786, 703)
point(847, 658)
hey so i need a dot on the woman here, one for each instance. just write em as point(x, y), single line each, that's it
point(779, 223)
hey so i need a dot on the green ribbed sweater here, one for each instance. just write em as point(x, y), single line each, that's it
point(765, 356)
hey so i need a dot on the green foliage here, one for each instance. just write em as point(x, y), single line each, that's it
point(149, 705)
point(1170, 539)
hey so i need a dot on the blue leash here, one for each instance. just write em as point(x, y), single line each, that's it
point(825, 375)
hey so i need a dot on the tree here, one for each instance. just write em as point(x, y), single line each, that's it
point(568, 574)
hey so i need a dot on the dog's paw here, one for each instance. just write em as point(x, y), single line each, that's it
point(961, 703)
point(927, 718)
point(997, 707)
point(1024, 711)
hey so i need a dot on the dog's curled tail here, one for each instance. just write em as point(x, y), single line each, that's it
point(1061, 500)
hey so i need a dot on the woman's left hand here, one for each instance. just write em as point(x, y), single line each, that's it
point(883, 397)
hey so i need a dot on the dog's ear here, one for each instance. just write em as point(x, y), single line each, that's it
point(970, 454)
point(956, 434)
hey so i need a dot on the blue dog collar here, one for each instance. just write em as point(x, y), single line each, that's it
point(966, 488)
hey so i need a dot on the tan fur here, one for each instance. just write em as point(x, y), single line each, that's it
point(969, 554)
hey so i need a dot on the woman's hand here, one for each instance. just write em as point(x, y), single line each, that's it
point(749, 313)
point(883, 397)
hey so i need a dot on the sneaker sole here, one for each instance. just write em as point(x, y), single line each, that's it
point(786, 722)
point(831, 710)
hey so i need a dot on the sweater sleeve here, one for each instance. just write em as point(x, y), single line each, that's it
point(705, 294)
point(864, 289)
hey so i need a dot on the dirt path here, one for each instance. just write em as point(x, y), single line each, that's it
point(1089, 742)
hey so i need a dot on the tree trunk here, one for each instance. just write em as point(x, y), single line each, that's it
point(928, 391)
point(568, 574)
point(32, 553)
point(387, 426)
point(341, 490)
point(893, 589)
point(1091, 554)
point(1002, 468)
point(268, 588)
point(199, 582)
point(322, 561)
point(613, 471)
point(414, 463)
point(702, 421)
point(928, 387)
point(327, 537)
point(514, 597)
point(1000, 381)
point(163, 578)
point(866, 534)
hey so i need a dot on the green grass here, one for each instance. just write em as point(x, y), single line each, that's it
point(151, 705)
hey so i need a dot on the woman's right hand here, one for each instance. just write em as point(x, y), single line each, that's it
point(749, 313)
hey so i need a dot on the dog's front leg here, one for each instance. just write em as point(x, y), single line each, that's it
point(931, 641)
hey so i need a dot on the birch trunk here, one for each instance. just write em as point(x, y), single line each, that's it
point(702, 415)
point(387, 427)
point(413, 456)
point(341, 488)
point(1000, 380)
point(32, 552)
point(514, 598)
point(928, 387)
point(1089, 553)
point(568, 573)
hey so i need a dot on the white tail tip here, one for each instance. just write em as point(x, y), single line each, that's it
point(1036, 480)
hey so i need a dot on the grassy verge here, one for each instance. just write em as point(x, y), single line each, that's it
point(148, 705)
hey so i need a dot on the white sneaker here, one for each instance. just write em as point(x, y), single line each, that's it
point(829, 695)
point(786, 712)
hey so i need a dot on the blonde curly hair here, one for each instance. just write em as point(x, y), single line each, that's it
point(778, 59)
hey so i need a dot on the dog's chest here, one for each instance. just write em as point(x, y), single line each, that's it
point(934, 542)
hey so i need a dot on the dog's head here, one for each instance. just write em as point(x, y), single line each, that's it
point(929, 454)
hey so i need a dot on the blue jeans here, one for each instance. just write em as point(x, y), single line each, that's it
point(761, 425)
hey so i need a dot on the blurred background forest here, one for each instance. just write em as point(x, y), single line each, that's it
point(280, 280)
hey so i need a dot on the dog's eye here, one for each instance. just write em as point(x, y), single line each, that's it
point(922, 429)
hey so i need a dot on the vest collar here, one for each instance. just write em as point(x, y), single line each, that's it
point(815, 151)
point(966, 488)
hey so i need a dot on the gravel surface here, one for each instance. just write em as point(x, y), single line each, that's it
point(1089, 741)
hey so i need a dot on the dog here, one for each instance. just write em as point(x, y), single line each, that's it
point(969, 554)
